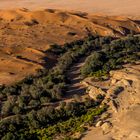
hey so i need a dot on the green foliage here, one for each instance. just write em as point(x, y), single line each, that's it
point(28, 106)
point(49, 85)
point(9, 136)
point(112, 56)
point(93, 63)
point(70, 126)
point(65, 119)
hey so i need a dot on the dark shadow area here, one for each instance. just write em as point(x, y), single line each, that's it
point(75, 91)
point(137, 21)
point(76, 80)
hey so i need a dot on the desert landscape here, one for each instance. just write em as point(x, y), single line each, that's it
point(69, 70)
point(114, 7)
point(37, 30)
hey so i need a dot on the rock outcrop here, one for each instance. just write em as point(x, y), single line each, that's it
point(122, 95)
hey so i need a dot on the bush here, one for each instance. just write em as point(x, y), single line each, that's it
point(9, 136)
point(93, 63)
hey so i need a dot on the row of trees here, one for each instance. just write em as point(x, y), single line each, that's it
point(47, 86)
point(24, 127)
point(19, 101)
point(112, 56)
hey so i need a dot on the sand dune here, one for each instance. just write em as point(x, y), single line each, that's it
point(25, 36)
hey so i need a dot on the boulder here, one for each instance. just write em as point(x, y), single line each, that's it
point(126, 82)
point(94, 92)
point(85, 83)
point(113, 81)
point(99, 123)
point(106, 127)
point(113, 106)
point(114, 90)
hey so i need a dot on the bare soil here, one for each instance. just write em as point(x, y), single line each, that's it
point(124, 116)
point(108, 7)
point(26, 35)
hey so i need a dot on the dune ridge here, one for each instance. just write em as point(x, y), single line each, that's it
point(25, 35)
point(101, 24)
point(109, 7)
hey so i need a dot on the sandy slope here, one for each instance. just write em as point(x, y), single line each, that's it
point(25, 36)
point(28, 34)
point(117, 7)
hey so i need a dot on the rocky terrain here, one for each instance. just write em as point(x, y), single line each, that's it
point(121, 91)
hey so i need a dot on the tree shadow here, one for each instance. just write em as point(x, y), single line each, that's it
point(137, 21)
point(75, 91)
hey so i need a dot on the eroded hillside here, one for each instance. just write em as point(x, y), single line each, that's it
point(26, 35)
point(123, 119)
